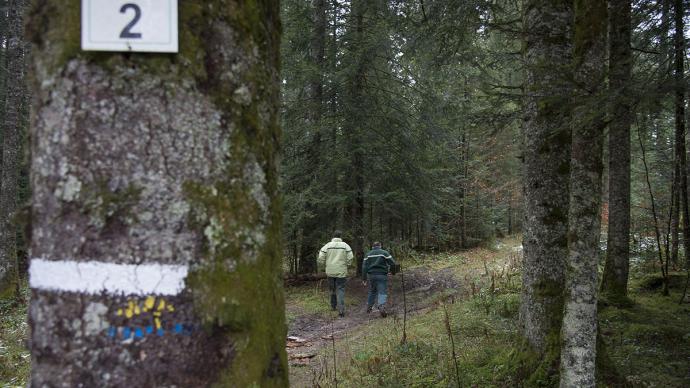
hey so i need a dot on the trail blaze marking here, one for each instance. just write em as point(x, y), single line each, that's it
point(151, 315)
point(95, 277)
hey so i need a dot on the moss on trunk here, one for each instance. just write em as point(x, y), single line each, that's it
point(166, 158)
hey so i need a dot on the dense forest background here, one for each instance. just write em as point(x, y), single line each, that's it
point(403, 122)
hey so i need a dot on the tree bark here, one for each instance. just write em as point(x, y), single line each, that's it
point(464, 146)
point(314, 219)
point(675, 204)
point(579, 332)
point(615, 276)
point(547, 52)
point(11, 146)
point(360, 14)
point(679, 49)
point(156, 253)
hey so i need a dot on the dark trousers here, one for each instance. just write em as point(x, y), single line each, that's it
point(337, 287)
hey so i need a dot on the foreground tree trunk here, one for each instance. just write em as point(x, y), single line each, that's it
point(579, 333)
point(156, 226)
point(546, 169)
point(615, 277)
point(12, 121)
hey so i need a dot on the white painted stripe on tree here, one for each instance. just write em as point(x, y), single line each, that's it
point(96, 277)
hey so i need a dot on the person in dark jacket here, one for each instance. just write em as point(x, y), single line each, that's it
point(375, 270)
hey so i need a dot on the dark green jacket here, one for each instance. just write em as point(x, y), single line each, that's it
point(377, 261)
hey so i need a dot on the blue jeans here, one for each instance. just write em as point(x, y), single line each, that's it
point(378, 286)
point(337, 287)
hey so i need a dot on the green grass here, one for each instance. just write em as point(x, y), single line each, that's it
point(645, 344)
point(15, 360)
point(375, 357)
point(315, 299)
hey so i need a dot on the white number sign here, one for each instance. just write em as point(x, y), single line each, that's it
point(129, 25)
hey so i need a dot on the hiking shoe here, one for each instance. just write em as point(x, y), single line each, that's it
point(383, 312)
point(341, 315)
point(369, 308)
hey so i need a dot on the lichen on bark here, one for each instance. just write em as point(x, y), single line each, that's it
point(143, 158)
point(546, 168)
point(579, 330)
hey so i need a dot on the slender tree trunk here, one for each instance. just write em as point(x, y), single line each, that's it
point(463, 190)
point(579, 332)
point(360, 15)
point(679, 49)
point(546, 169)
point(3, 77)
point(615, 276)
point(156, 251)
point(664, 76)
point(11, 147)
point(510, 216)
point(655, 218)
point(675, 204)
point(314, 219)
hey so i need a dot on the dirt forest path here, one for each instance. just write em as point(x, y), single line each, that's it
point(312, 327)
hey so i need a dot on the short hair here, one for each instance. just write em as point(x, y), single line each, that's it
point(337, 233)
point(377, 244)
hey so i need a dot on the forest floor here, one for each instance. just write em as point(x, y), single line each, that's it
point(467, 304)
point(464, 303)
point(430, 281)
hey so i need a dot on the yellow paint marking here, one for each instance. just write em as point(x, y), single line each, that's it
point(149, 303)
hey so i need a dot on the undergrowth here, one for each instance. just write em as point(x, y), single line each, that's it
point(645, 343)
point(15, 360)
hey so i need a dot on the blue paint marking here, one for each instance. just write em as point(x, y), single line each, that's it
point(141, 332)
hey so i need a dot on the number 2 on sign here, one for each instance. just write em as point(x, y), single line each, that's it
point(127, 31)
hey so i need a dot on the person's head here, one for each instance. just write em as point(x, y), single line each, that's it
point(337, 233)
point(376, 245)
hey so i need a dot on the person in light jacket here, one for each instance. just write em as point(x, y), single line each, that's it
point(337, 257)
